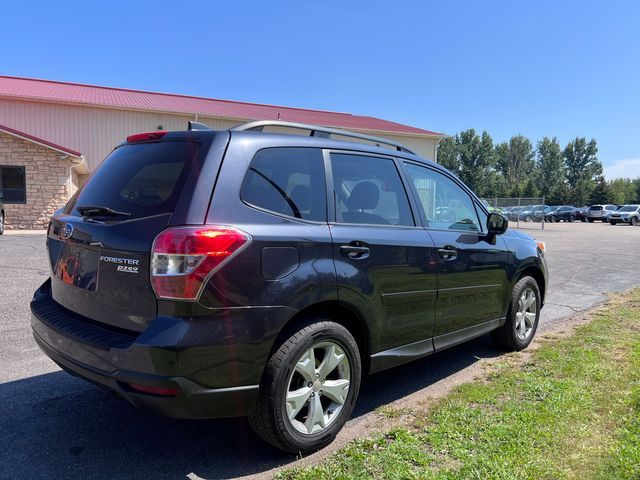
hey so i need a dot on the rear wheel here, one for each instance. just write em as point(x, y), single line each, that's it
point(590, 220)
point(572, 219)
point(633, 221)
point(522, 317)
point(553, 219)
point(309, 388)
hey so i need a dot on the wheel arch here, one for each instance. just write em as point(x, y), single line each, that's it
point(536, 273)
point(338, 312)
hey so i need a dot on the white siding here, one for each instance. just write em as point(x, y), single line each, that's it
point(95, 131)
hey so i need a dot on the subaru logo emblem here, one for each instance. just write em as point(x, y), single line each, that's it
point(66, 231)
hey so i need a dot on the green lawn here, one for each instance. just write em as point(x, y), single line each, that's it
point(570, 410)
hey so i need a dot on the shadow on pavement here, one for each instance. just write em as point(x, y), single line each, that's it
point(57, 426)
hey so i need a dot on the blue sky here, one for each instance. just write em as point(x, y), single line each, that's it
point(540, 68)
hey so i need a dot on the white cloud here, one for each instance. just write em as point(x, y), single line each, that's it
point(623, 169)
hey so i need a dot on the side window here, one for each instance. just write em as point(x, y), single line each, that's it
point(445, 204)
point(368, 190)
point(287, 181)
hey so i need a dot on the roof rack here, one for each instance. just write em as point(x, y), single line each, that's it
point(316, 131)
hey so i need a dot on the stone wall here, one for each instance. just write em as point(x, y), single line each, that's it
point(48, 181)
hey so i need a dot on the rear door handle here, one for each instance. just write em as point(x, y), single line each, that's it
point(355, 250)
point(447, 252)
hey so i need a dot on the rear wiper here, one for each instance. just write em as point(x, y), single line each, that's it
point(98, 211)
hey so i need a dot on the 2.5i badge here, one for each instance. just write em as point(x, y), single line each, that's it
point(127, 265)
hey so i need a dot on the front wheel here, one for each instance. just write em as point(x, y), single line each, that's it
point(522, 317)
point(309, 388)
point(553, 219)
point(633, 221)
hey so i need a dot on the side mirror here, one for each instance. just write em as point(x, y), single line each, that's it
point(497, 224)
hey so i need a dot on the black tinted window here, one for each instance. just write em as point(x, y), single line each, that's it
point(368, 190)
point(12, 184)
point(141, 179)
point(288, 181)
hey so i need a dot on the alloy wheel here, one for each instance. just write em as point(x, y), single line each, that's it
point(526, 314)
point(318, 387)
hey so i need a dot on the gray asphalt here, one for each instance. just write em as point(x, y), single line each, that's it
point(53, 425)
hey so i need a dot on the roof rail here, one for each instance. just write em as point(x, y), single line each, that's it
point(316, 131)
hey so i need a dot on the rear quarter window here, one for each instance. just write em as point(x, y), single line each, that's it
point(287, 181)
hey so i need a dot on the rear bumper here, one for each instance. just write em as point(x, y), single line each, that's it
point(215, 375)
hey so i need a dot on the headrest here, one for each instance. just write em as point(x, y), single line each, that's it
point(365, 195)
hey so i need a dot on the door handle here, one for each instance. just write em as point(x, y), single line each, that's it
point(447, 252)
point(355, 250)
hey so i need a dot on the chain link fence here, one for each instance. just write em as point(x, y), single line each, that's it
point(521, 212)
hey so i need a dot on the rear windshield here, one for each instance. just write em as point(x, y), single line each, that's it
point(596, 207)
point(142, 179)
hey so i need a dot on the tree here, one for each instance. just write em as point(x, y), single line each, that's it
point(448, 154)
point(623, 190)
point(551, 172)
point(515, 160)
point(582, 167)
point(601, 192)
point(476, 159)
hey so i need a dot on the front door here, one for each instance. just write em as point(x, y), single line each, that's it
point(472, 266)
point(385, 264)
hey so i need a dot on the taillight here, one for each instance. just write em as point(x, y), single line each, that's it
point(139, 137)
point(184, 258)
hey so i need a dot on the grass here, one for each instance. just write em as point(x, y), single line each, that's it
point(569, 410)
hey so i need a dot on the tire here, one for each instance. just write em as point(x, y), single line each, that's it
point(511, 336)
point(590, 220)
point(553, 219)
point(1, 223)
point(572, 219)
point(527, 219)
point(613, 224)
point(633, 221)
point(270, 417)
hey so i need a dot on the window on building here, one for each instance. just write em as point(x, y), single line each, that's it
point(12, 184)
point(287, 181)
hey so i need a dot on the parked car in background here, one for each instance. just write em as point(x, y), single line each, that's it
point(581, 213)
point(204, 274)
point(564, 213)
point(600, 212)
point(534, 213)
point(626, 214)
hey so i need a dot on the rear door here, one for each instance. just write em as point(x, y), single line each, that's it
point(472, 266)
point(385, 264)
point(99, 246)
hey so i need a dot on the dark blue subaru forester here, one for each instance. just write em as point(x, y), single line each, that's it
point(204, 274)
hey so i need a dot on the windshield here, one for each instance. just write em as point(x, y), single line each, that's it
point(138, 180)
point(629, 208)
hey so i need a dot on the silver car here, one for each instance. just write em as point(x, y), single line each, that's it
point(600, 212)
point(626, 214)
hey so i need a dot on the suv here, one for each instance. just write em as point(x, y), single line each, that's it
point(600, 212)
point(566, 214)
point(625, 214)
point(203, 274)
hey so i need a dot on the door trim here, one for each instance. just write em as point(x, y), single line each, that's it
point(400, 355)
point(459, 336)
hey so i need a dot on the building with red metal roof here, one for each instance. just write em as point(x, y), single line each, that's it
point(85, 122)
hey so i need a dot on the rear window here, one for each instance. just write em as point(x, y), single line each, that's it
point(142, 179)
point(595, 207)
